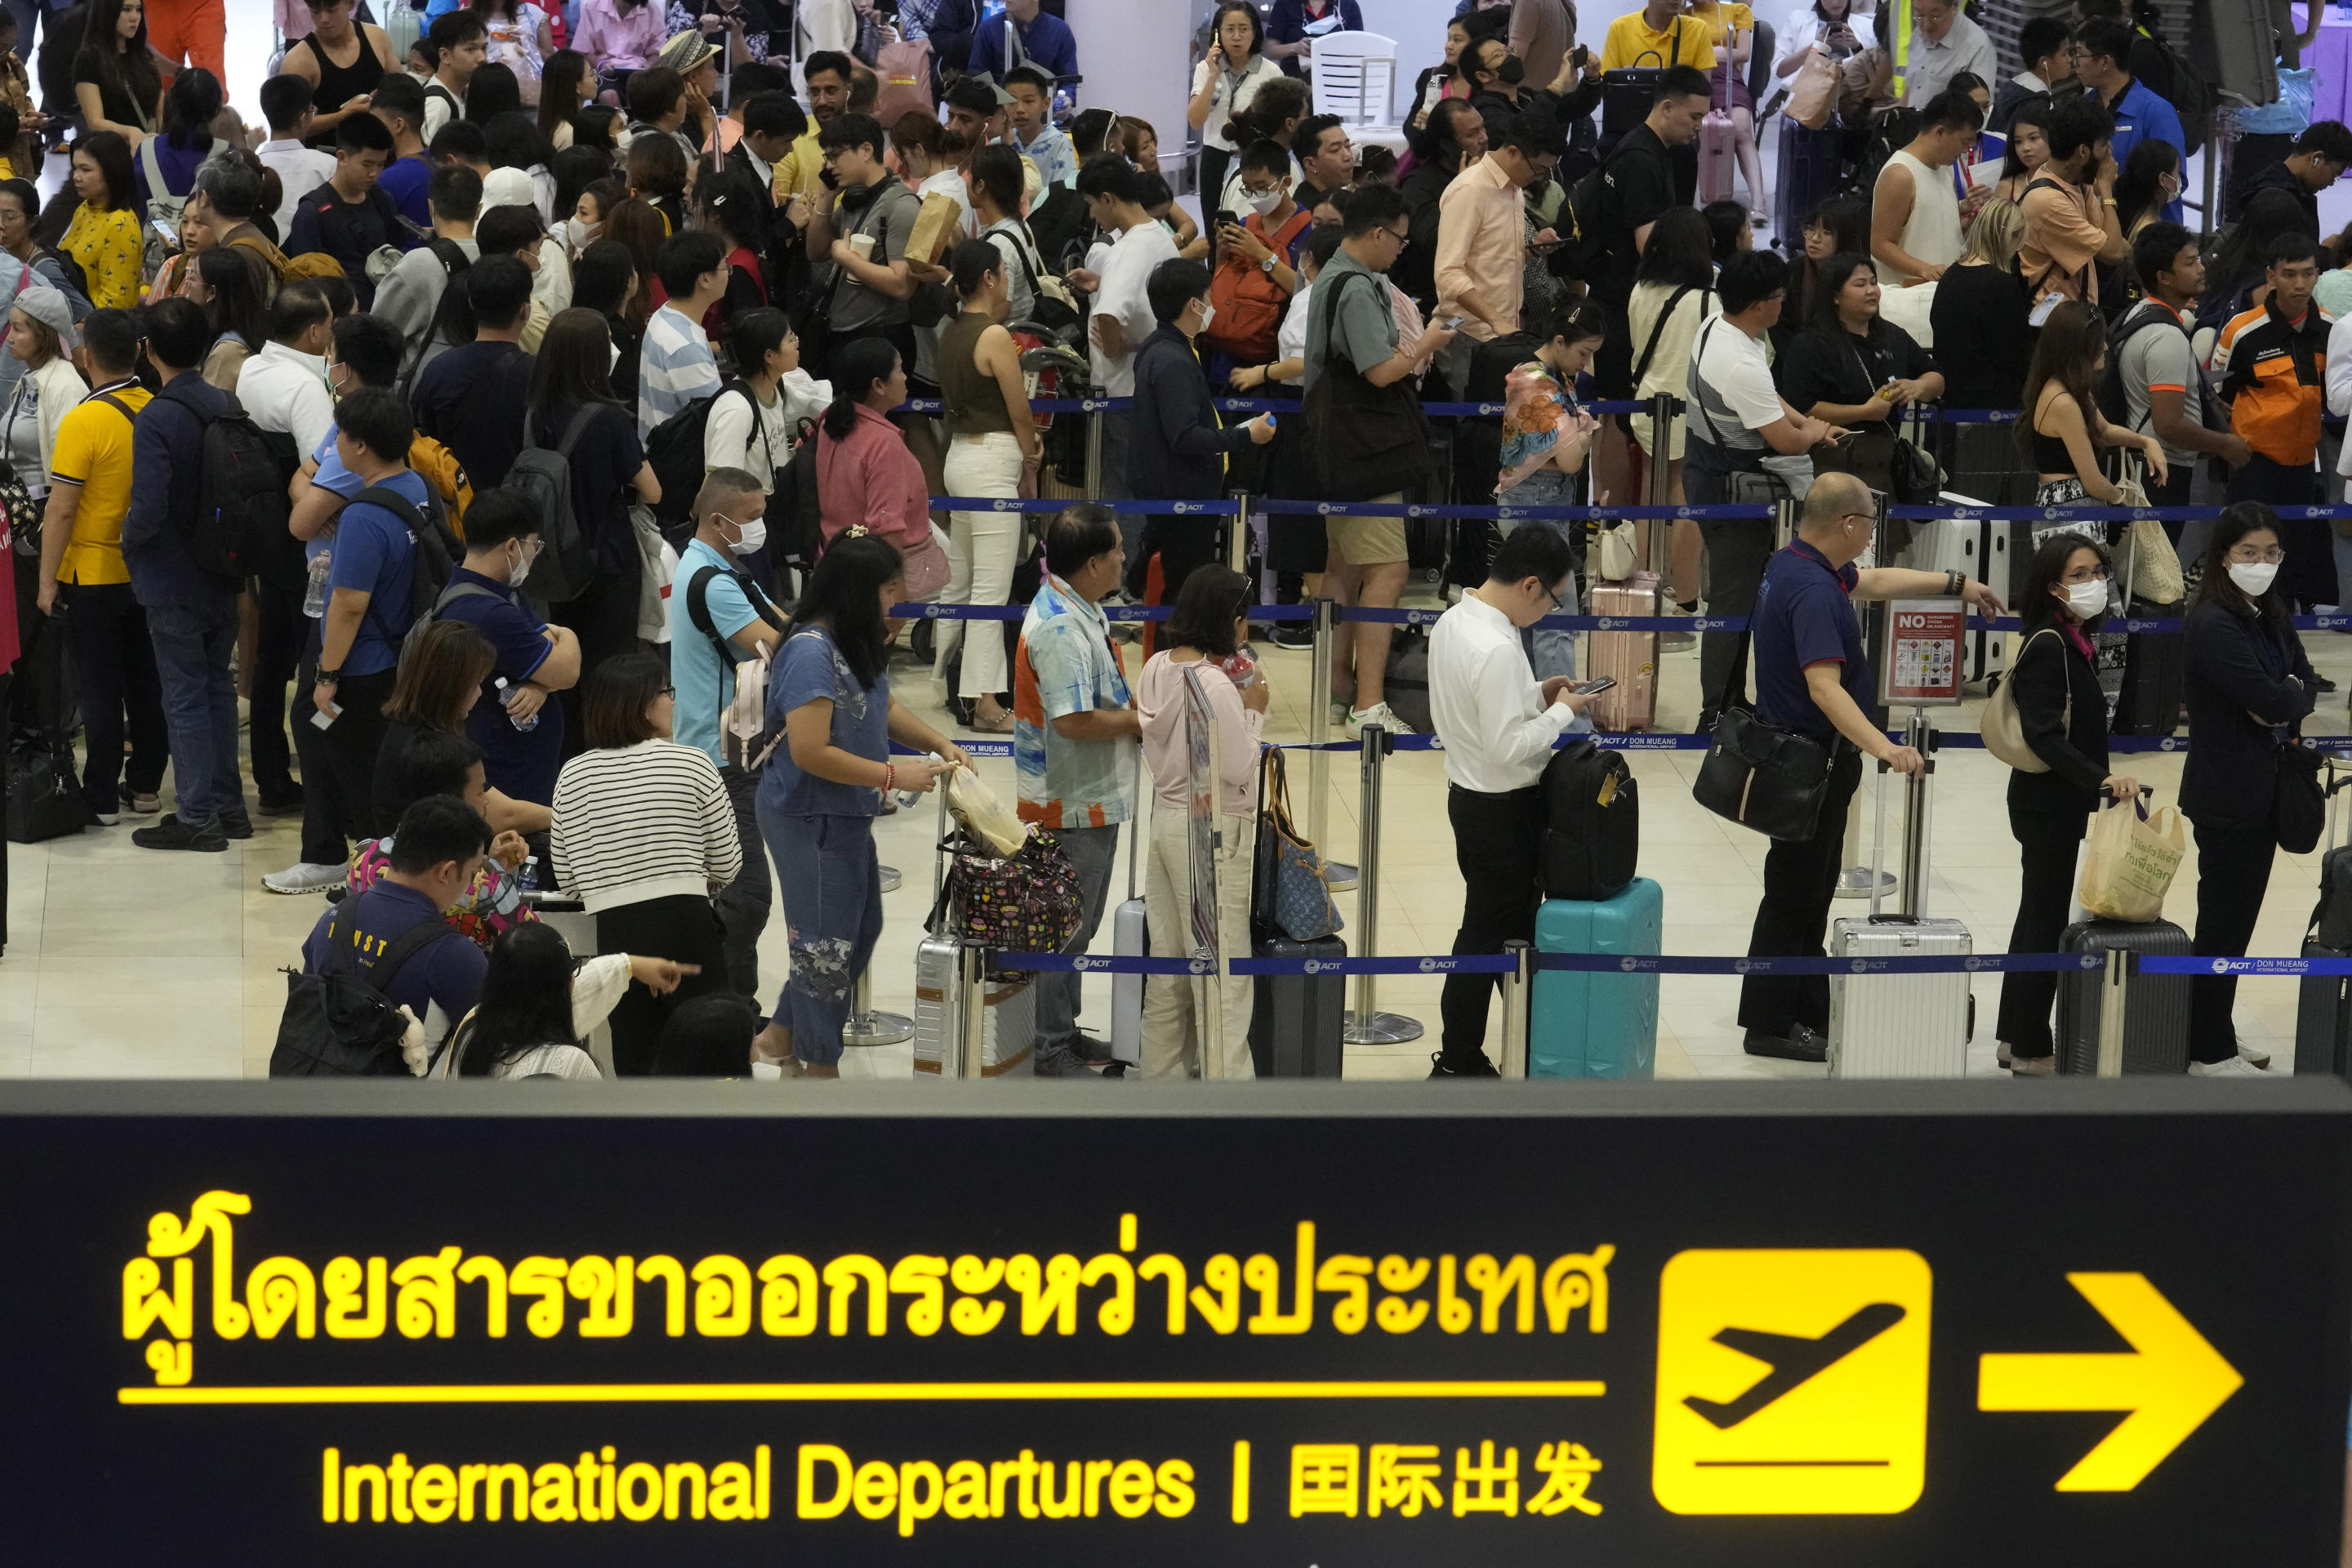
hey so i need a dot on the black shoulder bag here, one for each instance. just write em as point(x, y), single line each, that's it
point(1759, 775)
point(1368, 441)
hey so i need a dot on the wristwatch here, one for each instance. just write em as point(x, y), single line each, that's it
point(328, 677)
point(1267, 265)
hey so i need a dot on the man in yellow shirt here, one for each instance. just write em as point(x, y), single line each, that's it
point(829, 75)
point(81, 559)
point(1660, 34)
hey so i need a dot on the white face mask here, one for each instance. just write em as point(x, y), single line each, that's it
point(2253, 577)
point(754, 533)
point(1208, 314)
point(580, 235)
point(2088, 599)
point(1264, 202)
point(516, 578)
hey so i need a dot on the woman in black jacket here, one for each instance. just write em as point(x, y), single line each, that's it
point(2248, 687)
point(2065, 717)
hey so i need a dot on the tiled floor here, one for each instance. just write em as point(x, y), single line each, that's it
point(122, 961)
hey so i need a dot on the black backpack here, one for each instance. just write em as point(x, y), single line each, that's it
point(2186, 89)
point(542, 476)
point(1593, 823)
point(1889, 134)
point(2109, 393)
point(241, 504)
point(338, 1024)
point(795, 522)
point(675, 449)
point(697, 614)
point(435, 556)
point(1586, 221)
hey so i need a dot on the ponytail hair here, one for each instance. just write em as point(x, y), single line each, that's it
point(856, 366)
point(972, 261)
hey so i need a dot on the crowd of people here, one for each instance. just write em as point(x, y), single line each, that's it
point(569, 391)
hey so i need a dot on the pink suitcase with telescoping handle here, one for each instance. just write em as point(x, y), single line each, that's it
point(1630, 657)
point(1718, 144)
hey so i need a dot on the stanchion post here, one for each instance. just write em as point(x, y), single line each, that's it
point(1516, 997)
point(1338, 874)
point(2115, 991)
point(972, 1016)
point(1366, 1026)
point(1093, 454)
point(1237, 541)
point(868, 1027)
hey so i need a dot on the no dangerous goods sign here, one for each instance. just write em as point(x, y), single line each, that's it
point(1672, 1324)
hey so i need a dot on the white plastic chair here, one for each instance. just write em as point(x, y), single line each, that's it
point(1354, 75)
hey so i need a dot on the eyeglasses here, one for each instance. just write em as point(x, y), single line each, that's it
point(1553, 594)
point(1392, 234)
point(2269, 557)
point(670, 691)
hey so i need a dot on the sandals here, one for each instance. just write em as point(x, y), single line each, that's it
point(1003, 726)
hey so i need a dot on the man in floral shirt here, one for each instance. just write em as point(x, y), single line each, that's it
point(1075, 735)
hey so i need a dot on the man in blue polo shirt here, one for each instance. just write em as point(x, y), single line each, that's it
point(368, 605)
point(440, 845)
point(717, 618)
point(2101, 63)
point(1814, 676)
point(520, 731)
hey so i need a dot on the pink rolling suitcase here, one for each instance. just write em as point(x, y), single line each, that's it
point(1630, 657)
point(1718, 149)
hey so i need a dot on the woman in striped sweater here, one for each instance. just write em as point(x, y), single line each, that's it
point(644, 834)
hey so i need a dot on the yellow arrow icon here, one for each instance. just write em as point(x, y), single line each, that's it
point(2170, 1381)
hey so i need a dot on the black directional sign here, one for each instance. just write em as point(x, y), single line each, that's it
point(1667, 1324)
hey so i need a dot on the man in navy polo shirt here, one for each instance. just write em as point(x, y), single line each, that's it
point(439, 846)
point(1812, 677)
point(2101, 63)
point(502, 540)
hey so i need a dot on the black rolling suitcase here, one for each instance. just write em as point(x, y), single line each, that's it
point(2155, 673)
point(2156, 1015)
point(2323, 1019)
point(1295, 1019)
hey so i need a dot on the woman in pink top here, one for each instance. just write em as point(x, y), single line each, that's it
point(621, 35)
point(865, 475)
point(1205, 635)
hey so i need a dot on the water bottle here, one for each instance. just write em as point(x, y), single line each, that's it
point(506, 699)
point(527, 875)
point(314, 597)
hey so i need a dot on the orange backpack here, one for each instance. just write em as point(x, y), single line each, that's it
point(1248, 301)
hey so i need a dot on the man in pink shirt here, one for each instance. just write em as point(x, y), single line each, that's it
point(1481, 235)
point(618, 37)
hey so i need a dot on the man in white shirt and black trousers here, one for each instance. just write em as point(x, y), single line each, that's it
point(1498, 725)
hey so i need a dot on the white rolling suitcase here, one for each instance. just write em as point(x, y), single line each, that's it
point(1010, 1028)
point(1130, 937)
point(1900, 1025)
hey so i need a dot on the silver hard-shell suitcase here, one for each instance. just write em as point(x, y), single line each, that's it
point(1900, 1025)
point(1010, 1030)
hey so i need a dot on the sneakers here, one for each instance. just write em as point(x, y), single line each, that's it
point(107, 818)
point(1381, 714)
point(305, 876)
point(144, 804)
point(1804, 1044)
point(2253, 1055)
point(1440, 1068)
point(2235, 1066)
point(174, 833)
point(2032, 1066)
point(235, 823)
point(291, 806)
point(1292, 635)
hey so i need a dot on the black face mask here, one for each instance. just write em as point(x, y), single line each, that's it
point(1512, 71)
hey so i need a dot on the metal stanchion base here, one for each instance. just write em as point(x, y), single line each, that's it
point(1339, 876)
point(889, 879)
point(1380, 1029)
point(878, 1028)
point(1854, 882)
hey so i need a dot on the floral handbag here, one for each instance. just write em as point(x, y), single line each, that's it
point(1028, 901)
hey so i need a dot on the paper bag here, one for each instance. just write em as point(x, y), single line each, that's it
point(2128, 861)
point(938, 226)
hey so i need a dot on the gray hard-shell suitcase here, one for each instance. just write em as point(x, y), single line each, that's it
point(1295, 1020)
point(2156, 1014)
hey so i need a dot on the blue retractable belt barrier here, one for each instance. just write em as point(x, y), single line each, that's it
point(1677, 963)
